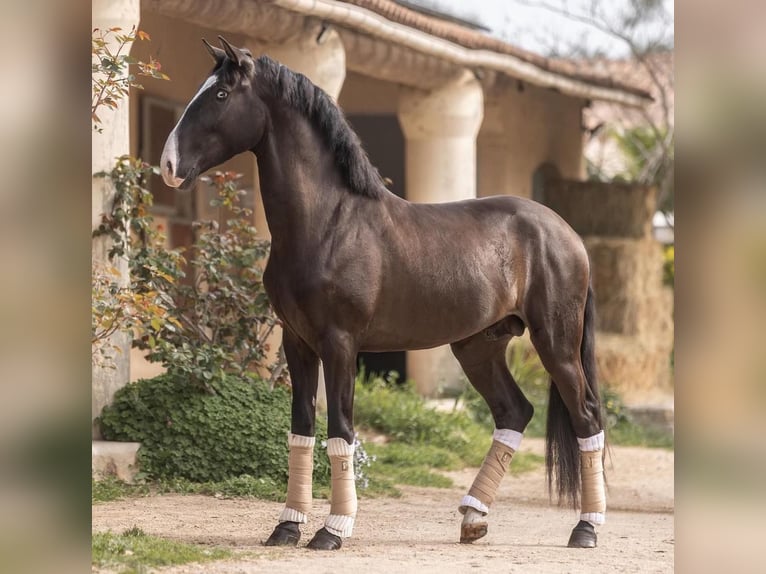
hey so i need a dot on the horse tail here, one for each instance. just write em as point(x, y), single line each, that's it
point(562, 453)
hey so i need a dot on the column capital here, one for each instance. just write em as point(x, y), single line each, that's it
point(453, 110)
point(315, 51)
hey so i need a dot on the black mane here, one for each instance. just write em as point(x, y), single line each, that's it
point(313, 103)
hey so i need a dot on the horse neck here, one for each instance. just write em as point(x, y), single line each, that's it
point(299, 182)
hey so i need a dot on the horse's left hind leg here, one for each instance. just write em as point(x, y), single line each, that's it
point(575, 435)
point(482, 357)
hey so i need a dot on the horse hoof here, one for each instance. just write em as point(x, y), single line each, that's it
point(325, 540)
point(472, 531)
point(285, 534)
point(583, 536)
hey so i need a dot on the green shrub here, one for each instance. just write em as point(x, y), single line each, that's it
point(400, 413)
point(237, 429)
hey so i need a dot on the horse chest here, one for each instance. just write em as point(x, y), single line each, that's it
point(308, 299)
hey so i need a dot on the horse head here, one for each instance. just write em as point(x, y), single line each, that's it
point(225, 117)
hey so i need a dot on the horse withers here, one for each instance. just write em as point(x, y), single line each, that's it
point(355, 268)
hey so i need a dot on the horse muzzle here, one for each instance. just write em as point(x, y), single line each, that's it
point(169, 162)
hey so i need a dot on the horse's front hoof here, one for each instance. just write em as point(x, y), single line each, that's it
point(325, 540)
point(583, 536)
point(472, 531)
point(285, 534)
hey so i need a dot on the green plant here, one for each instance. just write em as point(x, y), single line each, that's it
point(237, 429)
point(421, 440)
point(403, 415)
point(222, 316)
point(135, 551)
point(669, 265)
point(110, 68)
point(201, 313)
point(116, 306)
point(140, 304)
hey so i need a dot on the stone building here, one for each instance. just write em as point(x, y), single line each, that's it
point(445, 111)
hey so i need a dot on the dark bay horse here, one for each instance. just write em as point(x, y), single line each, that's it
point(355, 268)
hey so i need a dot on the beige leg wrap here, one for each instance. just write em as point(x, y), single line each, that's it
point(592, 471)
point(484, 488)
point(343, 494)
point(301, 466)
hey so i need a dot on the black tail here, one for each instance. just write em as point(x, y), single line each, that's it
point(562, 454)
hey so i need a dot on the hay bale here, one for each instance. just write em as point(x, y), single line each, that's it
point(627, 280)
point(604, 209)
point(634, 367)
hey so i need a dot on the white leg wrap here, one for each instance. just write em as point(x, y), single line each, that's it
point(343, 503)
point(469, 501)
point(299, 481)
point(595, 442)
point(508, 437)
point(592, 471)
point(479, 498)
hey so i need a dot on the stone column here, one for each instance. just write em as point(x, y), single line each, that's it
point(492, 151)
point(318, 53)
point(440, 129)
point(114, 141)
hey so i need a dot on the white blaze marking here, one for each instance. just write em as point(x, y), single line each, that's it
point(170, 152)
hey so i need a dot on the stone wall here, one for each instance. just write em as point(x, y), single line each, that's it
point(634, 309)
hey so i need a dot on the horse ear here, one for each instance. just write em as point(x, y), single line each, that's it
point(217, 53)
point(235, 54)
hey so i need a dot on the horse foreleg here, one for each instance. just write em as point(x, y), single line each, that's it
point(303, 364)
point(483, 360)
point(475, 505)
point(339, 360)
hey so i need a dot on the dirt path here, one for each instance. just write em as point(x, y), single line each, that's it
point(418, 532)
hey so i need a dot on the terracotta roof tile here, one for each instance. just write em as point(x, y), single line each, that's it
point(476, 40)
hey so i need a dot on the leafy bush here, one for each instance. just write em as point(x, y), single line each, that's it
point(397, 411)
point(238, 429)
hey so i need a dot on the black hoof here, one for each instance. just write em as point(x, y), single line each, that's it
point(325, 540)
point(285, 534)
point(583, 536)
point(472, 532)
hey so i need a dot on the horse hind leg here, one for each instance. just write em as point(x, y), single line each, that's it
point(575, 430)
point(482, 357)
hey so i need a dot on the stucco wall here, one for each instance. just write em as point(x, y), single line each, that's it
point(522, 129)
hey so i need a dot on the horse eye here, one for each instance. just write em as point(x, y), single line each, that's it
point(221, 94)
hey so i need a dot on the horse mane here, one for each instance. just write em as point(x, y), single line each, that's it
point(314, 104)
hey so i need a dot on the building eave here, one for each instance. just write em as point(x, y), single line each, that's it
point(369, 23)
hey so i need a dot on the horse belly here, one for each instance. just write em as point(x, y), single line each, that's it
point(435, 314)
